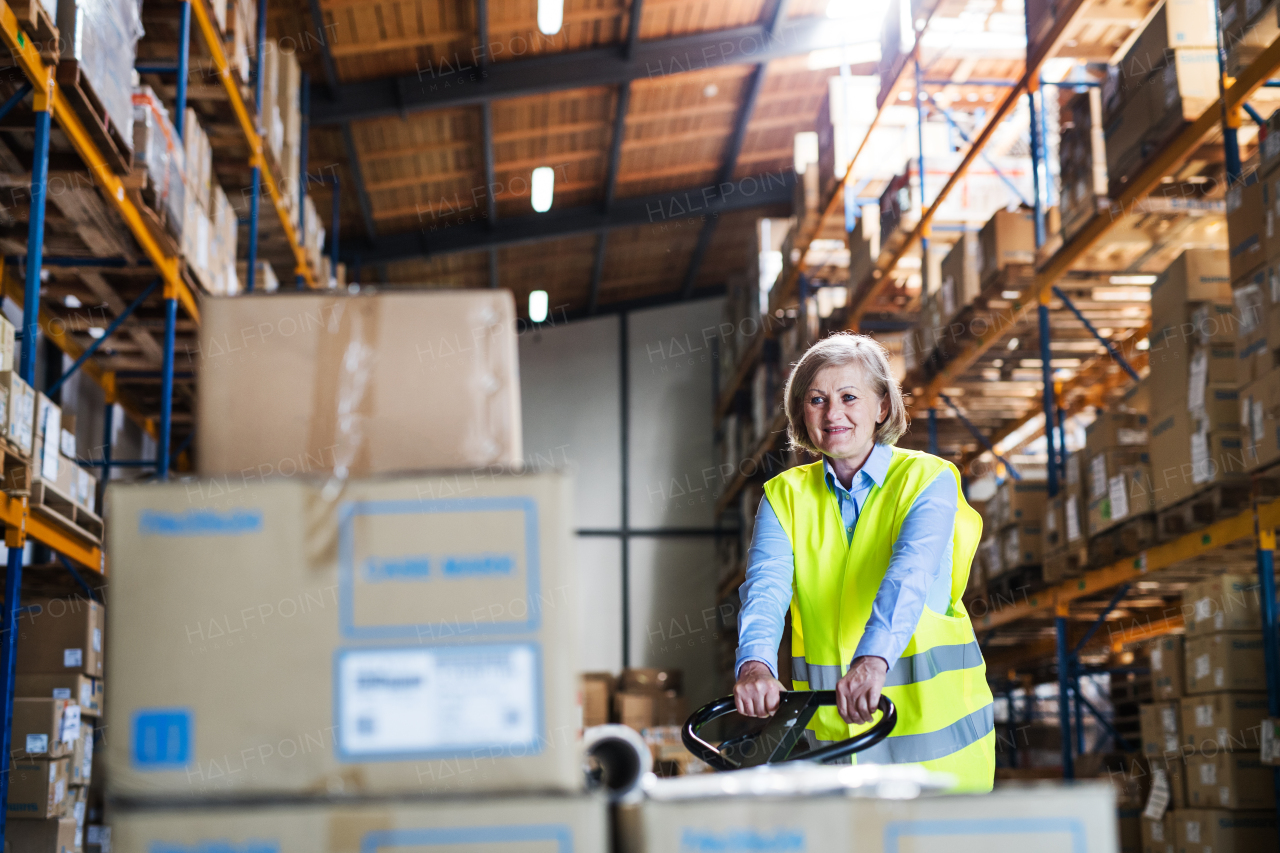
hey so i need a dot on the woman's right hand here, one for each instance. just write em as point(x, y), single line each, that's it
point(756, 692)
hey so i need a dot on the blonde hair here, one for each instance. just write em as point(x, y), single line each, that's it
point(841, 349)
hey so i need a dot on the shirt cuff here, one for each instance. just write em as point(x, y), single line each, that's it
point(762, 653)
point(878, 643)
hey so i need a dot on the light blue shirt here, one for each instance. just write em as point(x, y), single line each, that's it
point(919, 572)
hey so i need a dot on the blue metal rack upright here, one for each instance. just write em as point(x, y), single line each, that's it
point(259, 84)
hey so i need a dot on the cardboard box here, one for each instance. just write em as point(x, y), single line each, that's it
point(1247, 202)
point(1105, 465)
point(1223, 603)
point(1217, 831)
point(1195, 276)
point(80, 766)
point(1225, 662)
point(62, 636)
point(1167, 659)
point(597, 693)
point(278, 640)
point(650, 678)
point(97, 838)
point(1260, 418)
point(961, 275)
point(438, 386)
point(1024, 501)
point(1083, 161)
point(1045, 817)
point(1227, 721)
point(1021, 545)
point(81, 689)
point(566, 823)
point(20, 411)
point(1157, 835)
point(1181, 91)
point(1190, 373)
point(1159, 724)
point(1173, 769)
point(54, 835)
point(641, 710)
point(45, 456)
point(1129, 495)
point(45, 728)
point(1009, 237)
point(1186, 460)
point(37, 788)
point(1229, 780)
point(1116, 431)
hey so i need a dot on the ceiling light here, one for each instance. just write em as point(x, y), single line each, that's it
point(1106, 333)
point(1133, 279)
point(1010, 294)
point(70, 301)
point(1013, 344)
point(95, 332)
point(1122, 294)
point(538, 303)
point(1144, 344)
point(542, 188)
point(550, 16)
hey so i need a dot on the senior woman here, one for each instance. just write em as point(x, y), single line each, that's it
point(870, 547)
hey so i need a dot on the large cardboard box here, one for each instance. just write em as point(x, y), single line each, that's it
point(45, 728)
point(79, 688)
point(531, 822)
point(61, 636)
point(1025, 502)
point(19, 411)
point(1187, 459)
point(1227, 602)
point(1080, 817)
point(961, 275)
point(1218, 831)
point(1157, 835)
point(362, 384)
point(1021, 545)
point(54, 835)
point(1195, 276)
point(1224, 721)
point(1190, 373)
point(80, 767)
point(402, 636)
point(1116, 431)
point(1247, 203)
point(597, 696)
point(1167, 659)
point(1129, 494)
point(37, 788)
point(1225, 662)
point(1159, 724)
point(643, 709)
point(1009, 237)
point(1260, 418)
point(1229, 780)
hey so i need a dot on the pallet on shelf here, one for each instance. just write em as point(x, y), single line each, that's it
point(112, 142)
point(1124, 540)
point(1070, 563)
point(1202, 509)
point(36, 22)
point(142, 191)
point(15, 469)
point(50, 502)
point(1014, 584)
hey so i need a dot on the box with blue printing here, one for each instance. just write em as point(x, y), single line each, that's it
point(394, 636)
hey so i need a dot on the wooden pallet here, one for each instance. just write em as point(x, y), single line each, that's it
point(1201, 510)
point(114, 142)
point(51, 503)
point(1123, 540)
point(1066, 564)
point(37, 23)
point(142, 192)
point(15, 470)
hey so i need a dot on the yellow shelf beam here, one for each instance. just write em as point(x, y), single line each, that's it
point(257, 155)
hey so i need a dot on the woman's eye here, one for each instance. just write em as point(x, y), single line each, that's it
point(816, 401)
point(849, 398)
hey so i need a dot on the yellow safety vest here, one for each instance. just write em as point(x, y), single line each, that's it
point(945, 713)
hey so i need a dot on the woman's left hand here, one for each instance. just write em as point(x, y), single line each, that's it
point(858, 692)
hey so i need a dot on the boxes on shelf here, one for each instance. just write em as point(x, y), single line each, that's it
point(578, 823)
point(61, 636)
point(1009, 237)
point(1195, 277)
point(461, 580)
point(1129, 494)
point(1160, 724)
point(1260, 419)
point(864, 244)
point(1157, 835)
point(52, 835)
point(1229, 661)
point(1187, 457)
point(1257, 317)
point(961, 275)
point(1224, 721)
point(75, 686)
point(20, 411)
point(38, 788)
point(98, 40)
point(264, 279)
point(1021, 545)
point(45, 728)
point(1227, 602)
point(1229, 780)
point(1248, 26)
point(1167, 667)
point(1083, 162)
point(441, 364)
point(199, 161)
point(289, 108)
point(597, 698)
point(1220, 831)
point(80, 768)
point(1115, 431)
point(159, 158)
point(48, 439)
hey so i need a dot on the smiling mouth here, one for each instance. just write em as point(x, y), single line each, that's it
point(830, 430)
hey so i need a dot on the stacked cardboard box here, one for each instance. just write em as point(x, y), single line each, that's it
point(1116, 470)
point(1007, 238)
point(313, 233)
point(159, 159)
point(338, 643)
point(56, 469)
point(961, 275)
point(1169, 75)
point(209, 222)
point(1248, 27)
point(1016, 516)
point(56, 714)
point(1083, 157)
point(1065, 531)
point(864, 244)
point(1196, 439)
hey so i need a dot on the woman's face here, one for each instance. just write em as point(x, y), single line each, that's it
point(841, 412)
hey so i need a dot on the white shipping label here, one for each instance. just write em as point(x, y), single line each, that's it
point(1169, 719)
point(1222, 737)
point(97, 639)
point(37, 744)
point(1204, 608)
point(86, 694)
point(1051, 522)
point(1097, 476)
point(1202, 666)
point(1127, 436)
point(1257, 418)
point(1219, 677)
point(1119, 498)
point(1158, 799)
point(1157, 658)
point(51, 435)
point(1202, 469)
point(72, 657)
point(1204, 716)
point(402, 701)
point(1073, 521)
point(62, 693)
point(1224, 795)
point(70, 724)
point(1170, 743)
point(1157, 830)
point(1197, 375)
point(1219, 621)
point(1208, 773)
point(1193, 831)
point(59, 790)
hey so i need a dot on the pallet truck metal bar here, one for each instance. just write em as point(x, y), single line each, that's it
point(257, 157)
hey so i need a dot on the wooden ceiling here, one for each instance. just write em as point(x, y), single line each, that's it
point(425, 171)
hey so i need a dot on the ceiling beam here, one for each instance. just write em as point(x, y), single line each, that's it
point(611, 176)
point(771, 190)
point(458, 80)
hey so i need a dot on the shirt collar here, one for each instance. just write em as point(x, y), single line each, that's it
point(876, 467)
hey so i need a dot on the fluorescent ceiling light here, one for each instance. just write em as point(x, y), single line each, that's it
point(542, 188)
point(538, 303)
point(70, 301)
point(1122, 294)
point(1133, 279)
point(550, 16)
point(95, 332)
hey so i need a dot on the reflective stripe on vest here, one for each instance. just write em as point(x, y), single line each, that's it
point(910, 669)
point(909, 749)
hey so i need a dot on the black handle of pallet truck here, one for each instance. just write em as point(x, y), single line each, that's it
point(721, 707)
